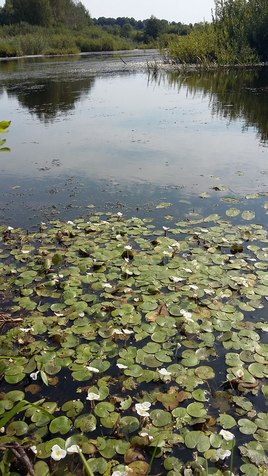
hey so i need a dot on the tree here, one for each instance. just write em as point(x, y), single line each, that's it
point(155, 27)
point(45, 12)
point(36, 12)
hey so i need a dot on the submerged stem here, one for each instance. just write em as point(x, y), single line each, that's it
point(85, 463)
point(232, 457)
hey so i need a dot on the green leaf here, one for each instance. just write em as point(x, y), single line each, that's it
point(226, 421)
point(61, 425)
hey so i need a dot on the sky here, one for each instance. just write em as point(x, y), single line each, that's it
point(184, 11)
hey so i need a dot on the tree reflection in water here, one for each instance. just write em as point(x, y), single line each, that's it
point(235, 93)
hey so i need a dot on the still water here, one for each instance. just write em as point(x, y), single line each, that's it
point(92, 130)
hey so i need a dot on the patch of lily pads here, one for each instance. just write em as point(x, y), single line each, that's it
point(126, 349)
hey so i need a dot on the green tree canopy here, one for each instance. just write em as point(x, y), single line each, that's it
point(45, 12)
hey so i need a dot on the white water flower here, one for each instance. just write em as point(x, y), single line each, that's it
point(127, 331)
point(10, 228)
point(187, 315)
point(165, 228)
point(187, 270)
point(222, 454)
point(69, 222)
point(122, 366)
point(117, 331)
point(107, 285)
point(164, 372)
point(57, 453)
point(25, 252)
point(209, 291)
point(34, 375)
point(73, 449)
point(2, 429)
point(176, 279)
point(92, 396)
point(119, 473)
point(33, 449)
point(239, 373)
point(128, 272)
point(92, 369)
point(193, 286)
point(26, 329)
point(188, 472)
point(119, 214)
point(144, 434)
point(227, 435)
point(142, 408)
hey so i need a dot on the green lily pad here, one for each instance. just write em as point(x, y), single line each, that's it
point(41, 468)
point(129, 424)
point(196, 410)
point(160, 418)
point(232, 212)
point(247, 427)
point(17, 428)
point(61, 425)
point(248, 215)
point(226, 421)
point(86, 423)
point(197, 439)
point(262, 420)
point(204, 372)
point(103, 409)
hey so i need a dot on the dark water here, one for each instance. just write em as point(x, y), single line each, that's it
point(94, 130)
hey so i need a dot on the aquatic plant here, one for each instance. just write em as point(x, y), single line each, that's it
point(4, 125)
point(139, 368)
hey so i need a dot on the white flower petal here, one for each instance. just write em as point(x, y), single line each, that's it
point(73, 449)
point(57, 453)
point(92, 369)
point(122, 366)
point(92, 396)
point(222, 454)
point(227, 435)
point(34, 375)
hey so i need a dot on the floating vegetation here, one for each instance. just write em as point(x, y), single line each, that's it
point(4, 125)
point(131, 350)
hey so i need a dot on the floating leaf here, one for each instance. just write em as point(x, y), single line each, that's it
point(232, 212)
point(197, 439)
point(248, 215)
point(61, 425)
point(226, 421)
point(204, 372)
point(247, 427)
point(160, 418)
point(196, 410)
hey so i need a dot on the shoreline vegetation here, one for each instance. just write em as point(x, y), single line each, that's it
point(237, 34)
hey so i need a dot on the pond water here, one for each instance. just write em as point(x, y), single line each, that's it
point(94, 130)
point(160, 299)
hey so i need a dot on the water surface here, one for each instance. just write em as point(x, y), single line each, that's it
point(92, 130)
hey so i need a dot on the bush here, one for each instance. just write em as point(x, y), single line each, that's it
point(199, 46)
point(9, 48)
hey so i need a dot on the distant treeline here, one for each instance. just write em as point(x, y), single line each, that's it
point(238, 32)
point(29, 27)
point(145, 31)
